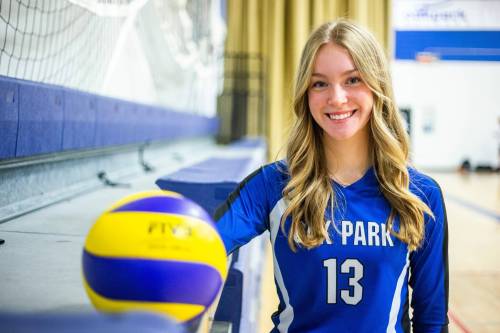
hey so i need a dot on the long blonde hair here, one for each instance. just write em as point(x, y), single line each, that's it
point(309, 188)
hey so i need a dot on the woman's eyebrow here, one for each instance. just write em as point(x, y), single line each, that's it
point(349, 71)
point(318, 74)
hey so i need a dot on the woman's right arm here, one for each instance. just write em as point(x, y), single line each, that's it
point(245, 213)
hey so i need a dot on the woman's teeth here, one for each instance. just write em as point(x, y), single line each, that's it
point(340, 116)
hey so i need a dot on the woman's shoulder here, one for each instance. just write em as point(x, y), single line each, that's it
point(275, 174)
point(273, 170)
point(420, 178)
point(276, 169)
point(424, 186)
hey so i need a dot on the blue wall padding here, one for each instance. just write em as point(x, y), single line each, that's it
point(108, 122)
point(126, 122)
point(209, 183)
point(181, 126)
point(151, 124)
point(206, 124)
point(40, 120)
point(150, 127)
point(154, 128)
point(169, 130)
point(79, 120)
point(37, 118)
point(9, 116)
point(137, 112)
point(249, 143)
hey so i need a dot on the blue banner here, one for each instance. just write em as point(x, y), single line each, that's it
point(467, 45)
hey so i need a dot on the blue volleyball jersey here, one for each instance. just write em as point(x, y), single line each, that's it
point(358, 281)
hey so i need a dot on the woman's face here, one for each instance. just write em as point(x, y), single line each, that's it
point(340, 102)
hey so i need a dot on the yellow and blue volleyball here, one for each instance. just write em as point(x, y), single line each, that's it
point(154, 251)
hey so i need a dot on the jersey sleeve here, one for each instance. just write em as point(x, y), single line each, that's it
point(429, 269)
point(244, 214)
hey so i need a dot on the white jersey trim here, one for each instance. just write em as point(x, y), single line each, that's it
point(286, 316)
point(396, 299)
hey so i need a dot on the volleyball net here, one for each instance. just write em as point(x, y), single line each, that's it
point(167, 53)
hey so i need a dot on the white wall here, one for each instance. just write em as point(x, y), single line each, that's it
point(460, 100)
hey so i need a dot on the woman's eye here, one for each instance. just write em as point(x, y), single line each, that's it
point(319, 84)
point(353, 80)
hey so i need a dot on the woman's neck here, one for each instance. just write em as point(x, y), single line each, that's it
point(348, 160)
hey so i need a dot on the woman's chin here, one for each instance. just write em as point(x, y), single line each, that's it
point(339, 136)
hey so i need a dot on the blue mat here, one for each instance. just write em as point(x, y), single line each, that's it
point(208, 183)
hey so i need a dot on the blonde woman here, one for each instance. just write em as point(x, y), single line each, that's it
point(352, 225)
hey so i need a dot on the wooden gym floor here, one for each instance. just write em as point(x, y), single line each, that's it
point(473, 207)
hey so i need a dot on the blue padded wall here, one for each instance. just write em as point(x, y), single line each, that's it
point(79, 120)
point(170, 130)
point(151, 126)
point(136, 112)
point(121, 122)
point(127, 122)
point(193, 126)
point(108, 122)
point(40, 120)
point(159, 123)
point(9, 116)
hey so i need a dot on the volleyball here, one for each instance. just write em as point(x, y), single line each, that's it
point(155, 251)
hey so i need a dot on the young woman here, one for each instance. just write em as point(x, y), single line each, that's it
point(352, 225)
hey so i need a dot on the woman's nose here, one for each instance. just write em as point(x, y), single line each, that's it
point(337, 96)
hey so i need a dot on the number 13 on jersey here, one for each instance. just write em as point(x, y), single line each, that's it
point(353, 295)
